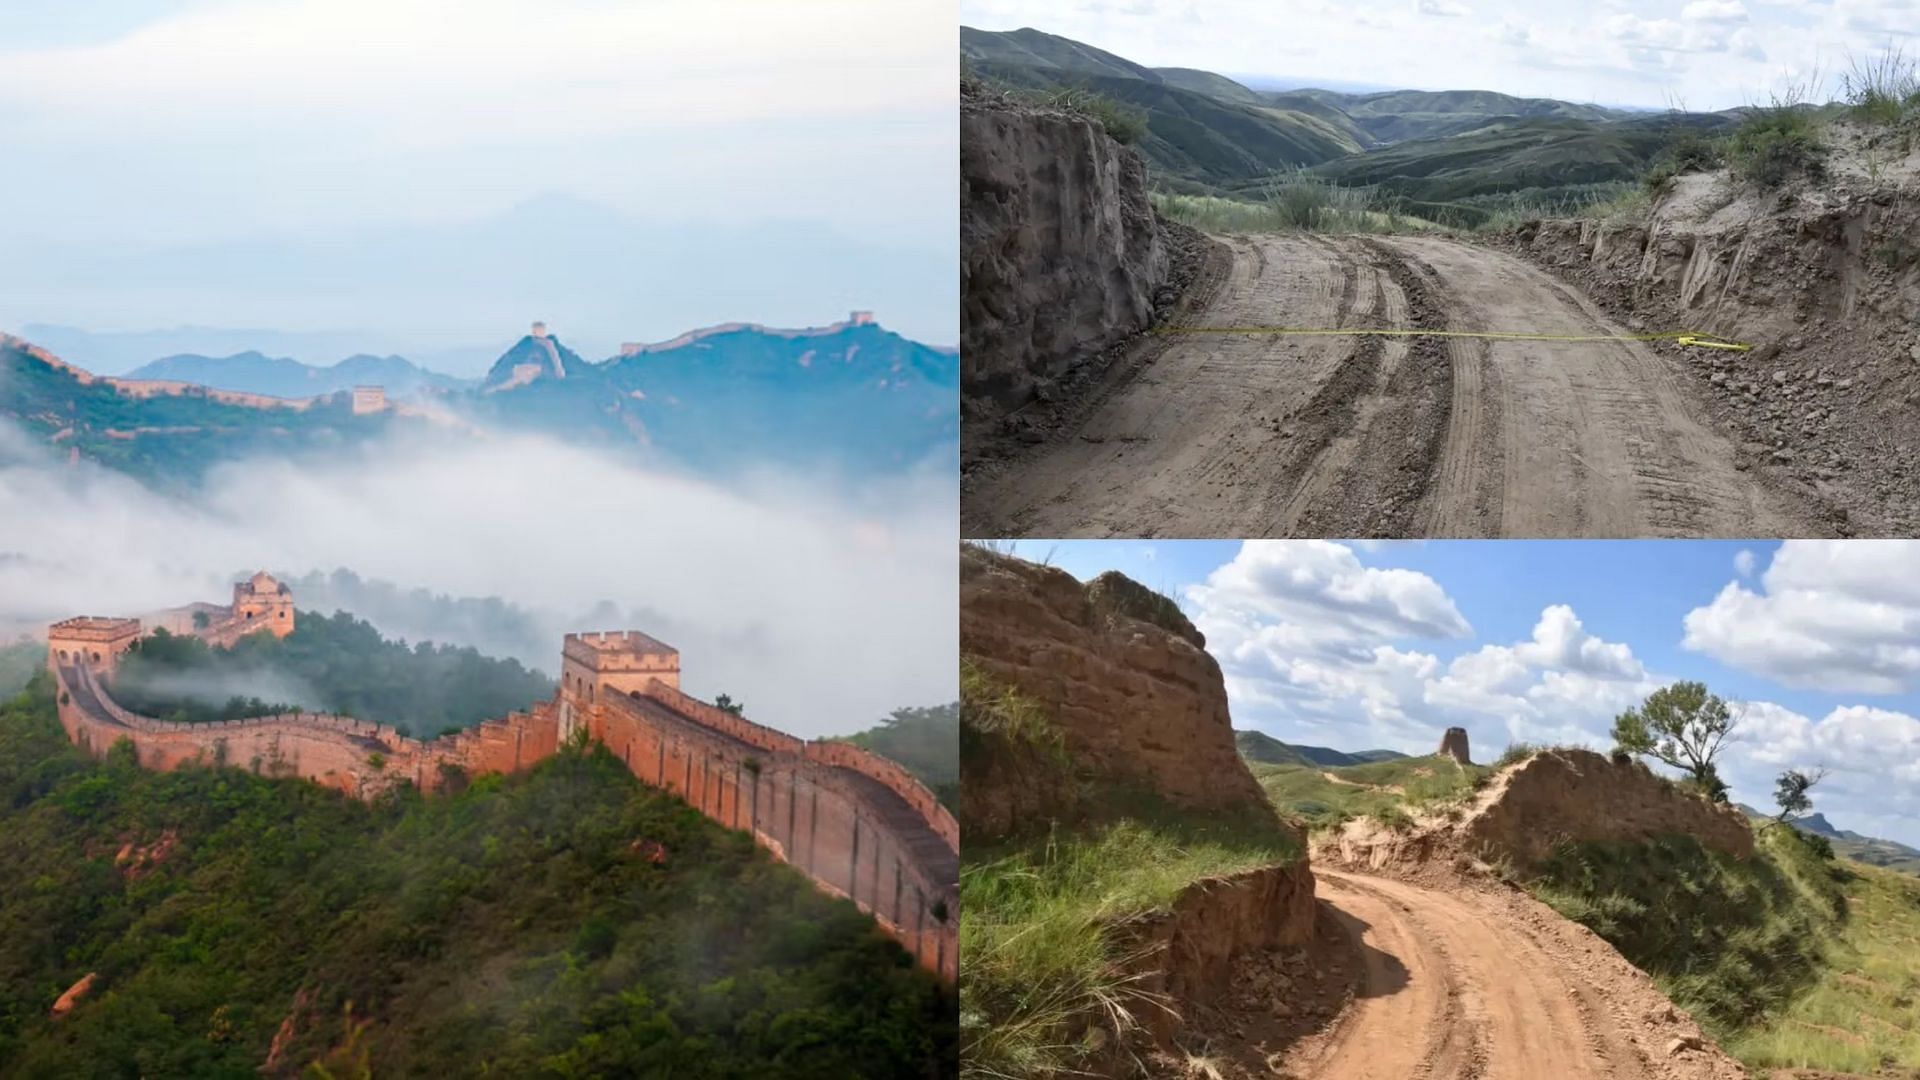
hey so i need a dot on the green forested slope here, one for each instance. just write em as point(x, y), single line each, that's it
point(516, 929)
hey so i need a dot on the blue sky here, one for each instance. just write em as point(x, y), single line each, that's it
point(430, 174)
point(1700, 54)
point(1385, 645)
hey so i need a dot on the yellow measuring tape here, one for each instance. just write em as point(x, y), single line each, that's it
point(1692, 338)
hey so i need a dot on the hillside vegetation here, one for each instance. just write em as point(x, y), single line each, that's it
point(328, 664)
point(1325, 797)
point(165, 440)
point(1455, 157)
point(1042, 982)
point(515, 929)
point(1791, 959)
point(1259, 747)
point(924, 740)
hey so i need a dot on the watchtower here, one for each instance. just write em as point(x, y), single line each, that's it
point(262, 600)
point(369, 399)
point(595, 665)
point(92, 640)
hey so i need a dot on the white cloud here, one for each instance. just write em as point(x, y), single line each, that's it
point(1722, 11)
point(1323, 586)
point(817, 606)
point(1744, 562)
point(1830, 615)
point(1449, 9)
point(1308, 635)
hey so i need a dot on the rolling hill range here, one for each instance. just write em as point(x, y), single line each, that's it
point(1267, 750)
point(852, 396)
point(255, 373)
point(1207, 133)
point(1852, 845)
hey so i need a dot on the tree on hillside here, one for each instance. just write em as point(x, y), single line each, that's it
point(1683, 726)
point(1790, 792)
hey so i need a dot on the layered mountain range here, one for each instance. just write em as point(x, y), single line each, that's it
point(851, 395)
point(1208, 133)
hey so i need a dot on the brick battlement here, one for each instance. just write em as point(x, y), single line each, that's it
point(857, 824)
point(94, 628)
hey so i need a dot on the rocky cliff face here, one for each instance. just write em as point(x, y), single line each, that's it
point(1135, 701)
point(1823, 279)
point(1060, 252)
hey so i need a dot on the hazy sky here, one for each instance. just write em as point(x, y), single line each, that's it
point(1703, 54)
point(443, 172)
point(1357, 646)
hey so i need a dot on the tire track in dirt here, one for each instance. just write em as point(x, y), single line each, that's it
point(1459, 985)
point(1279, 435)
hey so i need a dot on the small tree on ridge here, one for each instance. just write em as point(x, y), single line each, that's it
point(1790, 792)
point(1684, 726)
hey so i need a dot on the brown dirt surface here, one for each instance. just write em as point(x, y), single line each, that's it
point(1269, 435)
point(1481, 981)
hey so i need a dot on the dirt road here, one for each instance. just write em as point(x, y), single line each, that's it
point(1267, 435)
point(1489, 986)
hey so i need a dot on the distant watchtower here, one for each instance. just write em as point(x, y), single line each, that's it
point(539, 330)
point(1454, 745)
point(262, 600)
point(369, 399)
point(593, 666)
point(91, 640)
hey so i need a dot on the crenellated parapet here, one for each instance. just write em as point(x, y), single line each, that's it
point(858, 825)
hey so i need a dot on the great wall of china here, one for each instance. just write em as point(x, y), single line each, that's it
point(859, 825)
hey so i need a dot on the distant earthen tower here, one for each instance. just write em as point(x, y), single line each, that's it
point(1454, 745)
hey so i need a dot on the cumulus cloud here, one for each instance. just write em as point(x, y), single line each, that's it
point(1720, 11)
point(1828, 615)
point(1449, 9)
point(1314, 582)
point(821, 607)
point(1311, 638)
point(1872, 756)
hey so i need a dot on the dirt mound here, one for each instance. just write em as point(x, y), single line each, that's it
point(1134, 703)
point(1824, 279)
point(1527, 809)
point(1192, 954)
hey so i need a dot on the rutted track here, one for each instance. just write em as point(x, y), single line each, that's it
point(1275, 435)
point(1459, 985)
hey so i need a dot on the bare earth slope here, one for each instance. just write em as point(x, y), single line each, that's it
point(1266, 435)
point(1486, 983)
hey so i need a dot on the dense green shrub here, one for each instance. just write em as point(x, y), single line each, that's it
point(509, 930)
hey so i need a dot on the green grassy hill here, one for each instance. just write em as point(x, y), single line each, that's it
point(925, 741)
point(1325, 796)
point(1791, 959)
point(1546, 158)
point(1259, 747)
point(510, 930)
point(1848, 844)
point(1449, 156)
point(1214, 86)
